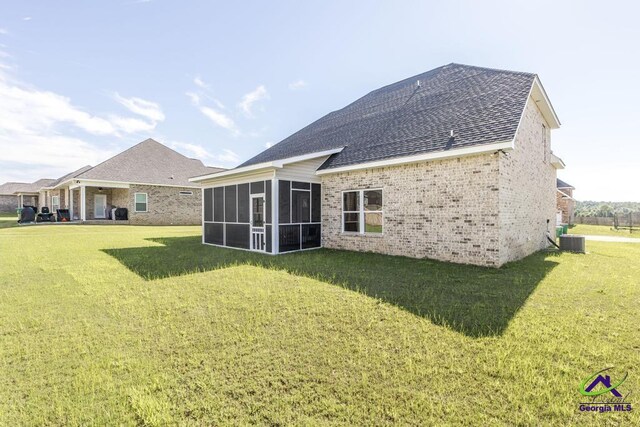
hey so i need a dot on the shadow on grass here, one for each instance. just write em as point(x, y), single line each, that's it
point(476, 301)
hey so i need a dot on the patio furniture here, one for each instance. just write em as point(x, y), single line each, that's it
point(45, 216)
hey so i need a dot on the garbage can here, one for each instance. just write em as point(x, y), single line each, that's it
point(558, 231)
point(565, 228)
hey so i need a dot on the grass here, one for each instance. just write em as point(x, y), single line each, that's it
point(8, 220)
point(603, 230)
point(143, 325)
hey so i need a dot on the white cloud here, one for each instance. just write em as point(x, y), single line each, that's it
point(26, 18)
point(148, 109)
point(298, 84)
point(4, 31)
point(227, 156)
point(45, 132)
point(269, 144)
point(200, 83)
point(246, 104)
point(216, 117)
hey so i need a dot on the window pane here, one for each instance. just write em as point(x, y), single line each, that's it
point(300, 206)
point(141, 198)
point(373, 200)
point(373, 223)
point(351, 201)
point(352, 222)
point(141, 207)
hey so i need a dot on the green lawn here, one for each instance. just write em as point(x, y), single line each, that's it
point(603, 230)
point(127, 325)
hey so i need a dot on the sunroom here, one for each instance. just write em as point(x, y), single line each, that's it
point(273, 207)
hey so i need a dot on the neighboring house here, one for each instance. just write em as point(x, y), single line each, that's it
point(149, 179)
point(14, 195)
point(454, 164)
point(566, 204)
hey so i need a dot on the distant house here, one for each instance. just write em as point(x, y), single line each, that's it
point(453, 164)
point(14, 195)
point(566, 204)
point(149, 179)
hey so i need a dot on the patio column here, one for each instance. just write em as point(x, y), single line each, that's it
point(66, 197)
point(70, 193)
point(83, 204)
point(275, 216)
point(21, 200)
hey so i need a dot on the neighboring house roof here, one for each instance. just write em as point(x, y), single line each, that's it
point(561, 184)
point(9, 188)
point(416, 116)
point(148, 162)
point(68, 176)
point(24, 187)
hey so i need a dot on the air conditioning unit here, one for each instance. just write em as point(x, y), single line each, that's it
point(572, 243)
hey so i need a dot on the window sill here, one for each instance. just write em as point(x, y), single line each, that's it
point(353, 233)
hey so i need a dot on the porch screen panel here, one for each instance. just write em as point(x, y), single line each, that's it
point(237, 235)
point(257, 187)
point(218, 204)
point(300, 206)
point(208, 204)
point(267, 233)
point(316, 203)
point(284, 204)
point(311, 235)
point(267, 201)
point(214, 233)
point(289, 238)
point(230, 211)
point(300, 185)
point(243, 203)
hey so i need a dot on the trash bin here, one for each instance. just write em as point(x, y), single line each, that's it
point(565, 228)
point(558, 231)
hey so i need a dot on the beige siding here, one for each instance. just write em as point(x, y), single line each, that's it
point(302, 171)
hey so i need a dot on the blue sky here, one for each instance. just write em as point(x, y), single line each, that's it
point(80, 81)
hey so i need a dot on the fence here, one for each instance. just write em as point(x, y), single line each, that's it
point(620, 220)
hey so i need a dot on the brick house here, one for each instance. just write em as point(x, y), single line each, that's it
point(149, 179)
point(565, 203)
point(453, 164)
point(14, 195)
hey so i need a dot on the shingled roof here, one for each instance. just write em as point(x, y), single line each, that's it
point(8, 188)
point(415, 116)
point(69, 176)
point(148, 162)
point(561, 184)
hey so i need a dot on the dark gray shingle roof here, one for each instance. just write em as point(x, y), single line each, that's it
point(480, 105)
point(70, 175)
point(561, 184)
point(149, 162)
point(8, 188)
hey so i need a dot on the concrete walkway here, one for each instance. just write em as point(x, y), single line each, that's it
point(615, 239)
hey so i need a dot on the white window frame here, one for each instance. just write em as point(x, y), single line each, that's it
point(361, 212)
point(135, 202)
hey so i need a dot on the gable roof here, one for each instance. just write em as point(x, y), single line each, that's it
point(416, 116)
point(148, 162)
point(68, 176)
point(561, 184)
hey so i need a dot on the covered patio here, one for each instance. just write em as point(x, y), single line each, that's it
point(95, 202)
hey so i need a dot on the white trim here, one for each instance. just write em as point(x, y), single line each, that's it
point(439, 155)
point(361, 212)
point(565, 195)
point(146, 203)
point(275, 220)
point(251, 226)
point(540, 95)
point(116, 184)
point(557, 162)
point(83, 203)
point(275, 164)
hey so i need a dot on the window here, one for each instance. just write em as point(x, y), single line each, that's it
point(186, 193)
point(141, 202)
point(362, 211)
point(55, 203)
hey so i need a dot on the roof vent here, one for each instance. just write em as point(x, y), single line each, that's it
point(171, 177)
point(451, 134)
point(417, 83)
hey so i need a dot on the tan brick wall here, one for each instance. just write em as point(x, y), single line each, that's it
point(90, 193)
point(9, 204)
point(446, 210)
point(527, 189)
point(566, 205)
point(166, 206)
